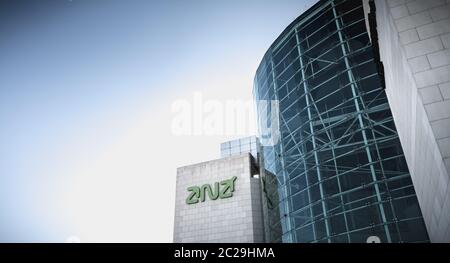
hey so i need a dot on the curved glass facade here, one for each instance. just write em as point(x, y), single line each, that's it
point(338, 163)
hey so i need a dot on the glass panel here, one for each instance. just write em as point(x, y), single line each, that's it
point(338, 153)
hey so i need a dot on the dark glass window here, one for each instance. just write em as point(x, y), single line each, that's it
point(340, 169)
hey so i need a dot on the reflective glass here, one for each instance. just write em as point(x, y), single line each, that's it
point(340, 168)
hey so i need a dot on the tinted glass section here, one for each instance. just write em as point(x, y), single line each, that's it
point(340, 171)
point(240, 146)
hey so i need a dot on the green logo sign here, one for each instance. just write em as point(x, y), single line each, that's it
point(221, 190)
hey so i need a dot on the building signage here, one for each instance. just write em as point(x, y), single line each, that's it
point(221, 190)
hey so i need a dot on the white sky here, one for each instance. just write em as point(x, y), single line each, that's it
point(86, 88)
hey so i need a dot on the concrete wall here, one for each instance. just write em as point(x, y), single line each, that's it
point(414, 39)
point(235, 219)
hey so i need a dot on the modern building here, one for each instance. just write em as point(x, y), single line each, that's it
point(219, 201)
point(353, 109)
point(414, 46)
point(248, 215)
point(334, 150)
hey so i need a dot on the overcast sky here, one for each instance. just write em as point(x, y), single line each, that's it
point(87, 88)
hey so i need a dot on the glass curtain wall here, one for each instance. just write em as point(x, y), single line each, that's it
point(240, 146)
point(339, 167)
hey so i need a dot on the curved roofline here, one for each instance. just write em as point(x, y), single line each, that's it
point(290, 26)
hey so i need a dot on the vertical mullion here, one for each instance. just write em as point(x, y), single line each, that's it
point(361, 123)
point(316, 157)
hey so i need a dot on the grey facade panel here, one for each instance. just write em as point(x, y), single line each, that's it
point(234, 219)
point(420, 108)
